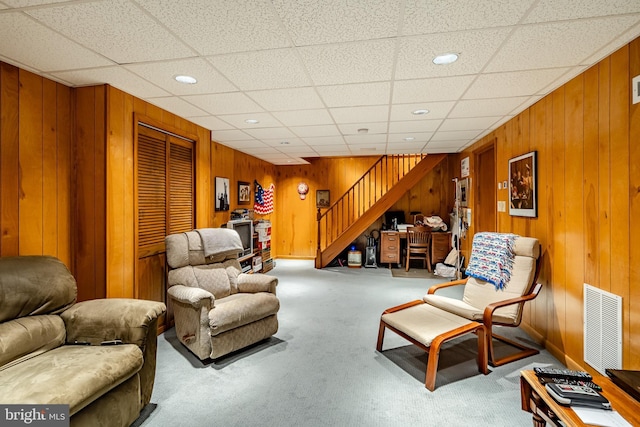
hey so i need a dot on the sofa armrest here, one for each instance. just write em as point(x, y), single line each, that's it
point(257, 282)
point(109, 319)
point(196, 297)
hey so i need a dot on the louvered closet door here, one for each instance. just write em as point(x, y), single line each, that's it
point(165, 205)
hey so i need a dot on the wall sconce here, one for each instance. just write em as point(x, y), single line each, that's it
point(303, 189)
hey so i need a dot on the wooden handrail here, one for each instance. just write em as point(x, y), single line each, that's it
point(368, 190)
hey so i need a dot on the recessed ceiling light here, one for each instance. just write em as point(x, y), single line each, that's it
point(363, 130)
point(252, 121)
point(186, 79)
point(446, 58)
point(409, 138)
point(284, 142)
point(419, 112)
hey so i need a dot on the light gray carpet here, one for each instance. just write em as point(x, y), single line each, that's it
point(322, 369)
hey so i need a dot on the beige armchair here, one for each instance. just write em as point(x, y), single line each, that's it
point(217, 309)
point(436, 319)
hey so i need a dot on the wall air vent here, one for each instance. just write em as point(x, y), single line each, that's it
point(602, 329)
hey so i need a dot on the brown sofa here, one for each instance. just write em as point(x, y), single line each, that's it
point(96, 356)
point(217, 309)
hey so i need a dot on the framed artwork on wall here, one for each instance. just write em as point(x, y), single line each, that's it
point(222, 193)
point(463, 192)
point(322, 199)
point(522, 186)
point(244, 193)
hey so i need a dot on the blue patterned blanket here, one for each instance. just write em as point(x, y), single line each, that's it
point(492, 257)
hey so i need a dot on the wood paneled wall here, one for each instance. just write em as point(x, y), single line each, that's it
point(296, 218)
point(35, 165)
point(588, 177)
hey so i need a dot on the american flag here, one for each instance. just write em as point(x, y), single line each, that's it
point(263, 203)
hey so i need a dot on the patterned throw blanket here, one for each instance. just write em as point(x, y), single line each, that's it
point(492, 258)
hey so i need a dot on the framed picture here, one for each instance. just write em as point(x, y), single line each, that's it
point(244, 193)
point(463, 192)
point(522, 186)
point(322, 198)
point(222, 193)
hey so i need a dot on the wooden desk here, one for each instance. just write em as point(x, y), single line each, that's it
point(535, 399)
point(391, 243)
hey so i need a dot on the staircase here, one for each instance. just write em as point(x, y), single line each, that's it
point(368, 199)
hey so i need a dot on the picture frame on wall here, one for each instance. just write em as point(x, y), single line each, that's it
point(244, 193)
point(222, 193)
point(463, 192)
point(523, 193)
point(322, 198)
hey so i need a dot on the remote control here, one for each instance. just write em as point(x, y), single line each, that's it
point(590, 384)
point(563, 373)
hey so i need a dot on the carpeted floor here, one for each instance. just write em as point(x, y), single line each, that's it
point(322, 369)
point(413, 273)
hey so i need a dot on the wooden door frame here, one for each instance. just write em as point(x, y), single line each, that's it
point(491, 145)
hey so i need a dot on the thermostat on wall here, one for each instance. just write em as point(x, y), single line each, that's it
point(635, 89)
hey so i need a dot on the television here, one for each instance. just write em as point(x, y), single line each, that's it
point(244, 227)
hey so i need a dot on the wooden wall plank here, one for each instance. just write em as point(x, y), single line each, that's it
point(64, 168)
point(574, 217)
point(634, 178)
point(31, 158)
point(619, 146)
point(9, 160)
point(590, 208)
point(49, 169)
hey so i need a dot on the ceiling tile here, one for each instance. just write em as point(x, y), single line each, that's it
point(225, 103)
point(418, 138)
point(422, 17)
point(333, 148)
point(272, 69)
point(352, 95)
point(177, 106)
point(452, 145)
point(265, 120)
point(115, 76)
point(368, 149)
point(353, 128)
point(219, 26)
point(614, 45)
point(518, 83)
point(304, 117)
point(486, 107)
point(27, 3)
point(357, 62)
point(116, 29)
point(310, 131)
point(554, 10)
point(40, 47)
point(416, 54)
point(290, 142)
point(378, 138)
point(316, 142)
point(374, 113)
point(437, 89)
point(312, 22)
point(469, 123)
point(270, 133)
point(243, 145)
point(437, 110)
point(211, 122)
point(414, 126)
point(455, 135)
point(163, 73)
point(552, 47)
point(230, 135)
point(287, 99)
point(405, 147)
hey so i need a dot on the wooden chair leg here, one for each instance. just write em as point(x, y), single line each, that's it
point(380, 336)
point(483, 356)
point(432, 366)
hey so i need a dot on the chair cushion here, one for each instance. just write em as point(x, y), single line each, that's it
point(72, 374)
point(241, 309)
point(424, 322)
point(31, 285)
point(26, 337)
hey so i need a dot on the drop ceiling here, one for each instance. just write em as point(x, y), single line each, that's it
point(322, 78)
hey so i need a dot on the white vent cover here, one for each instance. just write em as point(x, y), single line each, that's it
point(602, 329)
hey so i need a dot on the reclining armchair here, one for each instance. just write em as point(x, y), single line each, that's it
point(217, 308)
point(503, 270)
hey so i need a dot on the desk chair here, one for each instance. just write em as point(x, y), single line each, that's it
point(419, 245)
